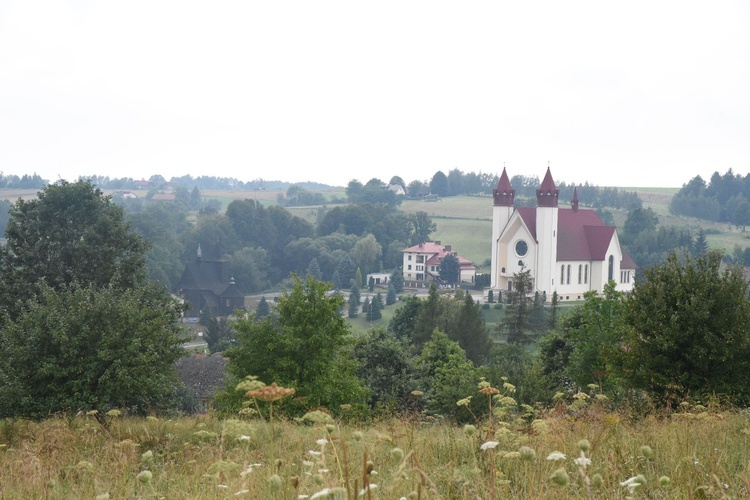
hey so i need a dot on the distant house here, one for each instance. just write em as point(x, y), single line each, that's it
point(142, 184)
point(125, 195)
point(207, 287)
point(422, 263)
point(397, 189)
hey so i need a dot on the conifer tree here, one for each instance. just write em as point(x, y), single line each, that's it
point(390, 299)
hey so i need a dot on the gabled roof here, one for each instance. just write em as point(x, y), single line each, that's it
point(438, 252)
point(581, 234)
point(205, 275)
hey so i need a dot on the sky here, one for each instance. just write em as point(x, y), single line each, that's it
point(637, 93)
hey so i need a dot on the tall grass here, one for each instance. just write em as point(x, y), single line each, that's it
point(680, 456)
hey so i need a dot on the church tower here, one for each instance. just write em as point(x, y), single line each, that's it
point(546, 233)
point(504, 199)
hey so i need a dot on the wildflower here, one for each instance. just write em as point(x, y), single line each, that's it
point(664, 481)
point(632, 483)
point(321, 442)
point(145, 477)
point(507, 401)
point(243, 438)
point(527, 454)
point(114, 413)
point(147, 457)
point(270, 393)
point(584, 445)
point(416, 394)
point(560, 477)
point(397, 454)
point(540, 426)
point(488, 445)
point(321, 494)
point(597, 481)
point(464, 402)
point(250, 383)
point(582, 462)
point(646, 452)
point(509, 387)
point(556, 455)
point(275, 482)
point(512, 455)
point(357, 436)
point(152, 418)
point(489, 391)
point(84, 465)
point(469, 430)
point(369, 487)
point(317, 417)
point(314, 453)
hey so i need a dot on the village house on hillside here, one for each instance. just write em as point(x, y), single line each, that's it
point(208, 288)
point(422, 263)
point(566, 250)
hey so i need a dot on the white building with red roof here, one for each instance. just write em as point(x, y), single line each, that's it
point(567, 250)
point(422, 262)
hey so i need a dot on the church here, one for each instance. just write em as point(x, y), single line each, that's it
point(566, 250)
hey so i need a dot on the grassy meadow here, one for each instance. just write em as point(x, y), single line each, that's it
point(698, 454)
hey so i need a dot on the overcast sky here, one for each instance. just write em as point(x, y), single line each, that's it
point(637, 93)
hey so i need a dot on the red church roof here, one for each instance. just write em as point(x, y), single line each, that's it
point(581, 235)
point(504, 194)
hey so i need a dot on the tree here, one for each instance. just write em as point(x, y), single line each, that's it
point(469, 330)
point(353, 304)
point(428, 318)
point(700, 246)
point(376, 306)
point(386, 366)
point(219, 334)
point(366, 254)
point(423, 227)
point(90, 348)
point(640, 220)
point(439, 184)
point(347, 273)
point(71, 233)
point(305, 347)
point(688, 330)
point(450, 269)
point(405, 318)
point(518, 324)
point(446, 375)
point(263, 309)
point(397, 280)
point(390, 298)
point(397, 181)
point(313, 269)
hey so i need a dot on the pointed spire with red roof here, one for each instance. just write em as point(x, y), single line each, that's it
point(546, 195)
point(504, 194)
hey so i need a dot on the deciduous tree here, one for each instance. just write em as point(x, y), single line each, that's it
point(305, 347)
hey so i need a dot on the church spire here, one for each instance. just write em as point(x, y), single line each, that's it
point(574, 203)
point(504, 194)
point(546, 195)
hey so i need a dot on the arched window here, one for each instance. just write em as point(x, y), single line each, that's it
point(586, 274)
point(611, 273)
point(580, 273)
point(568, 280)
point(562, 274)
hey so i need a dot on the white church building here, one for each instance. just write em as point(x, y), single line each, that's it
point(566, 250)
